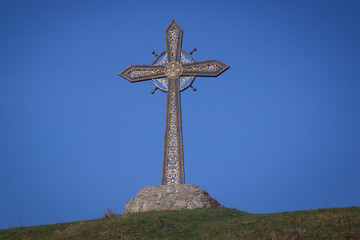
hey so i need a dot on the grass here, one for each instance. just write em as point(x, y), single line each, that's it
point(217, 223)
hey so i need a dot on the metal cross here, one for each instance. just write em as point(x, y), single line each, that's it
point(173, 71)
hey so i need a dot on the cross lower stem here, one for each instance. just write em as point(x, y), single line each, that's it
point(173, 158)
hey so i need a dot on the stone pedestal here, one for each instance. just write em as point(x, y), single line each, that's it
point(170, 197)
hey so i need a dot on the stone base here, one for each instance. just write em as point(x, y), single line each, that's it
point(170, 197)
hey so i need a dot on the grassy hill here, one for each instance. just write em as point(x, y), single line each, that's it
point(218, 223)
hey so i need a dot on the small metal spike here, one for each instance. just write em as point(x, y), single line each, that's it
point(194, 50)
point(153, 91)
point(194, 89)
point(153, 52)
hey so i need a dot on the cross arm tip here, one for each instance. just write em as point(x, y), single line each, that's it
point(208, 68)
point(136, 73)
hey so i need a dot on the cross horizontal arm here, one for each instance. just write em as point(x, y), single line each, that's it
point(137, 73)
point(208, 68)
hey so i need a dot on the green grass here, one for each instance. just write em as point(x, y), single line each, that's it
point(217, 223)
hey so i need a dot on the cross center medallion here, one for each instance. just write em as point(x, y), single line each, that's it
point(173, 70)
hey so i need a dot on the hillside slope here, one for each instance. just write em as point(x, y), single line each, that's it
point(218, 223)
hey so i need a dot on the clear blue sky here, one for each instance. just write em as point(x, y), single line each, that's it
point(278, 131)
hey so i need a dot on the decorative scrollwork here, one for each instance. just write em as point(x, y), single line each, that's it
point(173, 37)
point(163, 61)
point(185, 81)
point(172, 173)
point(141, 72)
point(208, 67)
point(184, 59)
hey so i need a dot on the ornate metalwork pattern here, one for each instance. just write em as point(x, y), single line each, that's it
point(173, 36)
point(212, 67)
point(173, 71)
point(136, 73)
point(172, 168)
point(185, 81)
point(208, 68)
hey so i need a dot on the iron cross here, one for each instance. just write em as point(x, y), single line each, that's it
point(173, 71)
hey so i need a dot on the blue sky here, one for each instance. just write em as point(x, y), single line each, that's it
point(278, 131)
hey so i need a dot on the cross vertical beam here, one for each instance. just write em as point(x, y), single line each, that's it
point(173, 156)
